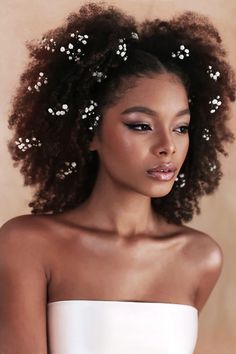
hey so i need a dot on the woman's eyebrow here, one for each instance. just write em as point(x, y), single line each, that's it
point(152, 113)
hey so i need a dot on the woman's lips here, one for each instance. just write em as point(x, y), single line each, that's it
point(161, 176)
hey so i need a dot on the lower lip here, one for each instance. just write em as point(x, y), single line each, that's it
point(161, 176)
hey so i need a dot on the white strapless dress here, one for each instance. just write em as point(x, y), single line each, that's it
point(121, 327)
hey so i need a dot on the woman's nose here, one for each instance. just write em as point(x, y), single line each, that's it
point(164, 144)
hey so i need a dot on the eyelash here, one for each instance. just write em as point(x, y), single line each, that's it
point(131, 126)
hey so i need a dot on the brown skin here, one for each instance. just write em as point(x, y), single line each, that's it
point(113, 247)
point(126, 154)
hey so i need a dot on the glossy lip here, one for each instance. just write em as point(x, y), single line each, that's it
point(163, 168)
point(161, 176)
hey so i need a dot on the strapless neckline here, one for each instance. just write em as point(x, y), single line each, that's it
point(145, 303)
point(121, 327)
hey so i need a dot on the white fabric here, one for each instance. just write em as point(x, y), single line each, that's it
point(121, 327)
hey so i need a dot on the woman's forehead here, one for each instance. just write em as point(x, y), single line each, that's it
point(158, 89)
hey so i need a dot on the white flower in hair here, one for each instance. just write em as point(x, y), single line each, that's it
point(181, 180)
point(99, 75)
point(71, 49)
point(90, 112)
point(206, 134)
point(122, 49)
point(42, 79)
point(48, 44)
point(134, 35)
point(27, 143)
point(212, 166)
point(215, 103)
point(61, 112)
point(70, 167)
point(212, 75)
point(181, 53)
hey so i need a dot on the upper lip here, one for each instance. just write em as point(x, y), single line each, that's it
point(164, 167)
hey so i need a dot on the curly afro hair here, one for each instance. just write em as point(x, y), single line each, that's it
point(89, 58)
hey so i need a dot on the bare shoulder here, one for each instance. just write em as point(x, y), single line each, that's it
point(202, 247)
point(25, 238)
point(206, 257)
point(23, 226)
point(23, 278)
point(29, 227)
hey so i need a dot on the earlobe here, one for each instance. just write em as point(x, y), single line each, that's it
point(93, 144)
point(92, 147)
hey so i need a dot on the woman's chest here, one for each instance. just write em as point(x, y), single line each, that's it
point(146, 271)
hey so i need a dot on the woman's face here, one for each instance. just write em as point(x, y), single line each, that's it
point(145, 128)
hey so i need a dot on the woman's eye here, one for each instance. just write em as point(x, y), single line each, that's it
point(143, 126)
point(137, 126)
point(183, 129)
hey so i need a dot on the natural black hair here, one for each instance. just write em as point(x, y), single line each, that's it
point(65, 138)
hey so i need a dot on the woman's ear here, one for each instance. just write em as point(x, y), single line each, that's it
point(94, 143)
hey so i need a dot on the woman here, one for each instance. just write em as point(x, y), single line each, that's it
point(119, 127)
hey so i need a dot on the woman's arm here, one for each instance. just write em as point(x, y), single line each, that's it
point(23, 290)
point(210, 266)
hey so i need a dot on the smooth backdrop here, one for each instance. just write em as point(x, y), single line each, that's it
point(21, 20)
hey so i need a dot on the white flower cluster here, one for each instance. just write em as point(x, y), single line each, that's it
point(48, 44)
point(89, 112)
point(70, 167)
point(182, 53)
point(215, 75)
point(95, 123)
point(206, 134)
point(64, 109)
point(135, 35)
point(181, 179)
point(122, 49)
point(99, 75)
point(41, 80)
point(27, 143)
point(71, 51)
point(212, 167)
point(215, 103)
point(80, 37)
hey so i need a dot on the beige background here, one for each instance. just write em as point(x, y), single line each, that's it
point(22, 20)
